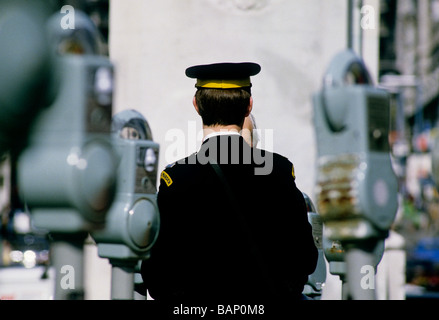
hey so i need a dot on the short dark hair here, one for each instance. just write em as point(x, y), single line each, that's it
point(223, 107)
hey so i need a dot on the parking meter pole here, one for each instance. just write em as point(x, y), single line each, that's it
point(360, 284)
point(122, 280)
point(68, 260)
point(344, 288)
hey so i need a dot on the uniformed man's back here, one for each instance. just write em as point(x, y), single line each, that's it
point(233, 224)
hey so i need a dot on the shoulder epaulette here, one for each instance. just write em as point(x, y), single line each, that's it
point(166, 178)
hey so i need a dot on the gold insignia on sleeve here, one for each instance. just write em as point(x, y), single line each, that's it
point(166, 178)
point(294, 176)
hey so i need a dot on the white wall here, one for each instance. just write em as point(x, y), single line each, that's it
point(153, 42)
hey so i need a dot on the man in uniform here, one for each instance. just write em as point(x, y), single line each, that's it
point(233, 222)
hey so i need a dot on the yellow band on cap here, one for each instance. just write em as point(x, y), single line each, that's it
point(223, 84)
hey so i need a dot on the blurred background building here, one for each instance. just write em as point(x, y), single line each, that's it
point(409, 68)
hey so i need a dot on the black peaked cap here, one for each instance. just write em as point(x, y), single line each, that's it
point(225, 70)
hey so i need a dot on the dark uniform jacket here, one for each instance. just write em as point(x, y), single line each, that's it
point(209, 247)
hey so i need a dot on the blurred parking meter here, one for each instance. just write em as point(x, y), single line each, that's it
point(133, 220)
point(356, 188)
point(55, 120)
point(316, 280)
point(26, 70)
point(27, 86)
point(67, 173)
point(69, 164)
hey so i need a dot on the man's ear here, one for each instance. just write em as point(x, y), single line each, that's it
point(250, 107)
point(194, 102)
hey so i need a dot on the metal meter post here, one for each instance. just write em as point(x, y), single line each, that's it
point(335, 255)
point(133, 220)
point(356, 188)
point(66, 175)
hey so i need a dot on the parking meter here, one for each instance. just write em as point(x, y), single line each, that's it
point(81, 37)
point(313, 287)
point(55, 110)
point(133, 219)
point(66, 175)
point(356, 188)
